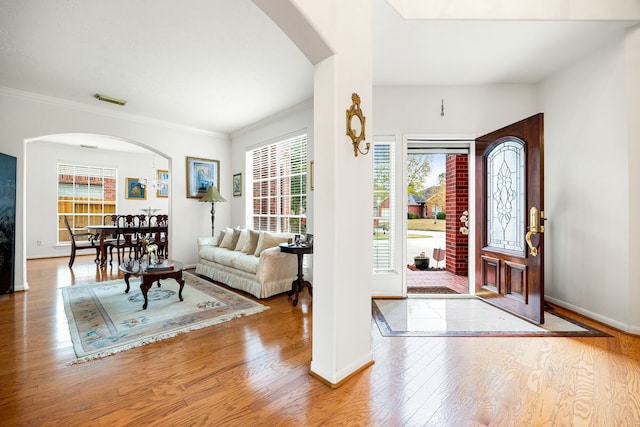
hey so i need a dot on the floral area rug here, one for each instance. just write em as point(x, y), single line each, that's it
point(103, 320)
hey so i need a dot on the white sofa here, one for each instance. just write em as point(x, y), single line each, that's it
point(251, 262)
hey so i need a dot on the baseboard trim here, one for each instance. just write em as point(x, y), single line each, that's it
point(344, 380)
point(622, 327)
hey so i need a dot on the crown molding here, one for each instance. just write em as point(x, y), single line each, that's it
point(78, 106)
point(302, 106)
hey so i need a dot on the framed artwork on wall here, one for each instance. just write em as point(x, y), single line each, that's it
point(237, 184)
point(163, 183)
point(135, 190)
point(201, 174)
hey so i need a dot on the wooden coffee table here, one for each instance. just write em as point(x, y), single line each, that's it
point(149, 275)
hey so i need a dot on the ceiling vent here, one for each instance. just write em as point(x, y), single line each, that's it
point(110, 99)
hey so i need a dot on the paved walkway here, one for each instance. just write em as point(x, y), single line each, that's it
point(433, 240)
point(425, 279)
point(437, 279)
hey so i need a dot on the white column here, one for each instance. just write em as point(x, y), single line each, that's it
point(343, 213)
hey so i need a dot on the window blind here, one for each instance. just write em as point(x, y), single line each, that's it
point(85, 195)
point(383, 202)
point(279, 186)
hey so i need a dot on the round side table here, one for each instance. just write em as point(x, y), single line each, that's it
point(298, 284)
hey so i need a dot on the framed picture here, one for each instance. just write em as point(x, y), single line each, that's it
point(237, 184)
point(135, 190)
point(201, 174)
point(163, 183)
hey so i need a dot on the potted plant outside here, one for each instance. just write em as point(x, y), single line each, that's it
point(421, 261)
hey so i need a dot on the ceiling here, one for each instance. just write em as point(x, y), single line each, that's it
point(220, 65)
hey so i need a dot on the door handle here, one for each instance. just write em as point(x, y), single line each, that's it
point(534, 228)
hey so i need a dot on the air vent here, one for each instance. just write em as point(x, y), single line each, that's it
point(110, 99)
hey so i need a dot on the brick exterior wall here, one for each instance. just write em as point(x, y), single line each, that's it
point(457, 184)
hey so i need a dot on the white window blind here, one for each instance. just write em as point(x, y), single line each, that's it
point(85, 195)
point(383, 203)
point(279, 184)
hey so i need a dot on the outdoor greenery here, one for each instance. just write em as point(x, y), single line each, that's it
point(441, 215)
point(438, 196)
point(412, 215)
point(426, 224)
point(418, 170)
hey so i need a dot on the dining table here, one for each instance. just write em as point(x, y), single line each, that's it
point(106, 232)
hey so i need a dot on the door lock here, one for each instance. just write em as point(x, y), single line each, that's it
point(534, 228)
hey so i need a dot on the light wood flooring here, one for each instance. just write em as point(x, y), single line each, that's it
point(255, 371)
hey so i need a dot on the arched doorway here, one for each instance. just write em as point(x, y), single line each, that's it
point(43, 157)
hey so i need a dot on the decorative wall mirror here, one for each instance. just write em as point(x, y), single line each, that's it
point(356, 125)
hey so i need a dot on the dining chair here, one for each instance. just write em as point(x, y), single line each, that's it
point(109, 241)
point(157, 236)
point(127, 237)
point(81, 241)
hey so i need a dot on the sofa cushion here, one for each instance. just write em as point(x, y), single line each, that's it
point(219, 239)
point(231, 236)
point(242, 240)
point(268, 240)
point(252, 242)
point(229, 258)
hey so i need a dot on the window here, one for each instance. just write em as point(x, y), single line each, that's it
point(85, 195)
point(279, 181)
point(383, 202)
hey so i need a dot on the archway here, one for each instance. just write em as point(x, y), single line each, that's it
point(43, 154)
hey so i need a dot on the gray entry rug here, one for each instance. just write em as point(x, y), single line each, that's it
point(103, 320)
point(467, 317)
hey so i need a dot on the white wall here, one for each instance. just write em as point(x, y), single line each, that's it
point(587, 186)
point(272, 129)
point(42, 158)
point(632, 59)
point(24, 116)
point(469, 110)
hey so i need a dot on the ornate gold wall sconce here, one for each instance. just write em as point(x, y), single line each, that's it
point(352, 125)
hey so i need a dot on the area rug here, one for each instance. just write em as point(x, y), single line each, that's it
point(103, 320)
point(430, 290)
point(467, 317)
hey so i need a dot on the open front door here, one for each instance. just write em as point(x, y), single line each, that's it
point(509, 215)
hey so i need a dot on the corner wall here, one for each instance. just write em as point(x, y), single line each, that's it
point(587, 186)
point(24, 116)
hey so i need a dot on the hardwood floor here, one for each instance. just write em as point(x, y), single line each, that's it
point(255, 371)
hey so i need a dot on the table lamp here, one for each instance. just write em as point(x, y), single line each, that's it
point(212, 196)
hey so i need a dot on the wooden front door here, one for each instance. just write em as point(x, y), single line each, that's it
point(509, 209)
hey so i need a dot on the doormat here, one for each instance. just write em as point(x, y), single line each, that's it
point(430, 290)
point(467, 317)
point(103, 320)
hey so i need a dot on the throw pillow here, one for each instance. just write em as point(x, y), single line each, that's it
point(234, 239)
point(268, 240)
point(242, 240)
point(220, 238)
point(228, 237)
point(252, 242)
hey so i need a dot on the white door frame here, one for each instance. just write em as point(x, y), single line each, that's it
point(394, 283)
point(445, 142)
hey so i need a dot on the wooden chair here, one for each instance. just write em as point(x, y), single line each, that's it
point(157, 237)
point(110, 219)
point(127, 238)
point(81, 241)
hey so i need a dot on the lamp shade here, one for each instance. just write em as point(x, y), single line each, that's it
point(212, 195)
